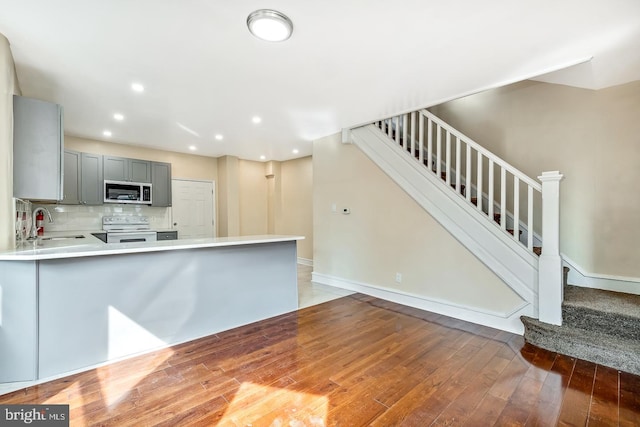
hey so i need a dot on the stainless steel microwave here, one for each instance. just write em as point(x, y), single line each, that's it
point(138, 193)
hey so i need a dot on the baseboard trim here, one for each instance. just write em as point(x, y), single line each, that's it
point(509, 322)
point(579, 277)
point(305, 261)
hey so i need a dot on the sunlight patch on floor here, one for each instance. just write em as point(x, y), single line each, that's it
point(256, 404)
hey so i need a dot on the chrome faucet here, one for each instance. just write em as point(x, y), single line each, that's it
point(34, 226)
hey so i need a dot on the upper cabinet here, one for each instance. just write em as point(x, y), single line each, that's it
point(91, 181)
point(38, 145)
point(123, 169)
point(82, 178)
point(161, 183)
point(71, 194)
point(84, 175)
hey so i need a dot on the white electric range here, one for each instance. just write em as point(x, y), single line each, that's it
point(123, 229)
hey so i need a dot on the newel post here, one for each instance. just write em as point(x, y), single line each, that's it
point(550, 286)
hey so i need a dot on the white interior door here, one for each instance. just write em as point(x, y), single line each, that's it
point(193, 208)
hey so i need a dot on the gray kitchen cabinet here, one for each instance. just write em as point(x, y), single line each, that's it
point(71, 186)
point(38, 145)
point(161, 184)
point(91, 181)
point(82, 178)
point(123, 169)
point(167, 235)
point(139, 170)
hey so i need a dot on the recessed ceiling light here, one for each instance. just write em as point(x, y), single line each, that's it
point(270, 25)
point(256, 119)
point(295, 151)
point(219, 137)
point(263, 157)
point(119, 117)
point(107, 133)
point(192, 148)
point(137, 87)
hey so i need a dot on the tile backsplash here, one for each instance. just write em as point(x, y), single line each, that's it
point(89, 218)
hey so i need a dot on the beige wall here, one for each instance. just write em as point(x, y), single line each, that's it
point(296, 215)
point(253, 198)
point(276, 198)
point(388, 233)
point(592, 137)
point(183, 166)
point(228, 197)
point(8, 87)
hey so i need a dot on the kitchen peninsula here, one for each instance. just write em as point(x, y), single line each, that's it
point(69, 306)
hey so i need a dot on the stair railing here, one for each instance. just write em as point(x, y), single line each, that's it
point(469, 168)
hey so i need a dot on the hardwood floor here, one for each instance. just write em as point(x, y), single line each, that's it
point(353, 361)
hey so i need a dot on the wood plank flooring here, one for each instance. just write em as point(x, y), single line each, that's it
point(354, 361)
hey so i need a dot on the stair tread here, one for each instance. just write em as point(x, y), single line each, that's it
point(595, 346)
point(618, 303)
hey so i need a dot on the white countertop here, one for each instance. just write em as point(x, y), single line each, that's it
point(89, 245)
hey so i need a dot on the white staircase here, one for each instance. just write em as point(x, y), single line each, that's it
point(487, 204)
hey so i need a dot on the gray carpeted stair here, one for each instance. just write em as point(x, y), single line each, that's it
point(599, 326)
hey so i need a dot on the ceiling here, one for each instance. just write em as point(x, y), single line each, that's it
point(348, 62)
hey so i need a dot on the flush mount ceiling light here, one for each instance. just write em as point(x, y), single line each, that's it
point(270, 25)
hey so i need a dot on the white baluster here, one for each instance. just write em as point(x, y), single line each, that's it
point(516, 208)
point(439, 151)
point(458, 171)
point(420, 141)
point(490, 191)
point(405, 131)
point(530, 217)
point(468, 179)
point(448, 160)
point(550, 286)
point(429, 143)
point(479, 182)
point(503, 198)
point(413, 132)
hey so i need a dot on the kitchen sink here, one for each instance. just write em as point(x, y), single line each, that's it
point(78, 236)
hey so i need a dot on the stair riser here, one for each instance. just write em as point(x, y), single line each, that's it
point(584, 347)
point(585, 318)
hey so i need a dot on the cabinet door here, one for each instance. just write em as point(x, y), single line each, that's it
point(38, 147)
point(161, 184)
point(139, 170)
point(91, 182)
point(116, 168)
point(71, 185)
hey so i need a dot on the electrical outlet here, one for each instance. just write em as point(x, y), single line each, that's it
point(399, 277)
